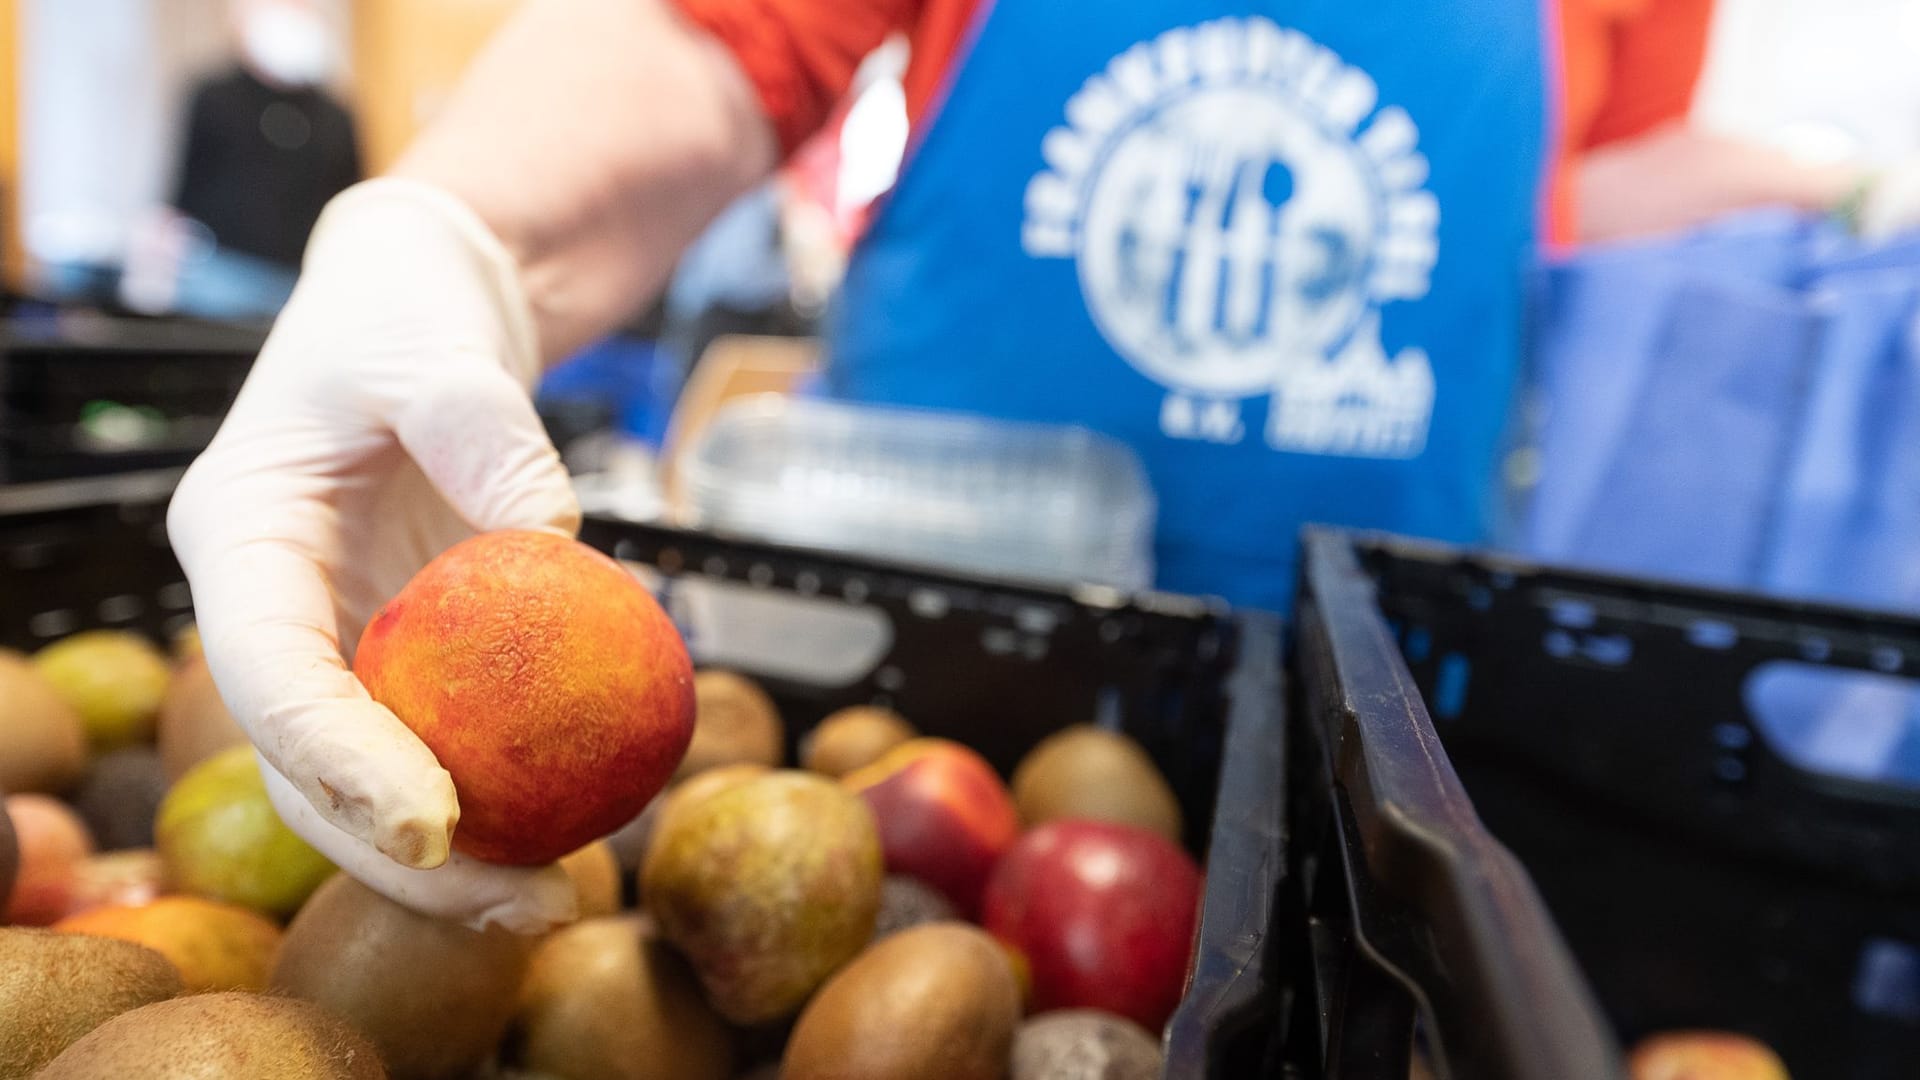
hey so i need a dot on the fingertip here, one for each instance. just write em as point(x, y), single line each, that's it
point(416, 844)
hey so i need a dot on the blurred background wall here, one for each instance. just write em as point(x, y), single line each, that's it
point(93, 92)
point(407, 55)
point(1771, 68)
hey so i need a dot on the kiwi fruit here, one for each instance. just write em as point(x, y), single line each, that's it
point(194, 723)
point(1089, 772)
point(595, 872)
point(1084, 1044)
point(432, 996)
point(119, 797)
point(907, 902)
point(43, 744)
point(54, 988)
point(235, 1035)
point(853, 738)
point(734, 723)
point(936, 1000)
point(607, 999)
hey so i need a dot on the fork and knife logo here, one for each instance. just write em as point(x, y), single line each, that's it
point(1238, 211)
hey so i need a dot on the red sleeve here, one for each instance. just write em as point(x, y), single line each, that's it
point(1626, 66)
point(1655, 64)
point(800, 54)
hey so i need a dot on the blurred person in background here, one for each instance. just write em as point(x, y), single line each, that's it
point(1279, 250)
point(1639, 168)
point(266, 145)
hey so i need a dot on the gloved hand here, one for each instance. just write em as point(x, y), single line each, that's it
point(386, 418)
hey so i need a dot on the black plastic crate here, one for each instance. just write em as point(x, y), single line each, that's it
point(178, 376)
point(1406, 925)
point(996, 665)
point(1315, 954)
point(1602, 728)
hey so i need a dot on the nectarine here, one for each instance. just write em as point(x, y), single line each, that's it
point(546, 680)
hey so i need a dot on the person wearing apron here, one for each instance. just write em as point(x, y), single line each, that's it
point(1276, 248)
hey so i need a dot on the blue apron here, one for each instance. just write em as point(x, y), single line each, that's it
point(1278, 249)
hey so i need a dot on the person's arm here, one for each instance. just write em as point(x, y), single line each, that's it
point(388, 416)
point(596, 138)
point(1677, 176)
point(1640, 166)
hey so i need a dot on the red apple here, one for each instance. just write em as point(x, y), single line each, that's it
point(53, 844)
point(1104, 913)
point(943, 813)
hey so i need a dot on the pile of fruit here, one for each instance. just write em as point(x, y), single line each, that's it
point(890, 908)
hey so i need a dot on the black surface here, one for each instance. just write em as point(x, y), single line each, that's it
point(259, 162)
point(184, 373)
point(1354, 903)
point(1403, 905)
point(1001, 665)
point(77, 556)
point(1701, 879)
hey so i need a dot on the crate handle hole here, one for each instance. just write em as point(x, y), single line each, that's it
point(1450, 686)
point(48, 625)
point(125, 607)
point(1854, 725)
point(1886, 981)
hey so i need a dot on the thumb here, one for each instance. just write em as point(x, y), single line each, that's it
point(266, 616)
point(524, 900)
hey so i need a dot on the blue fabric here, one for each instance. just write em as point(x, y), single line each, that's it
point(1647, 366)
point(1278, 249)
point(1740, 406)
point(629, 375)
point(1735, 406)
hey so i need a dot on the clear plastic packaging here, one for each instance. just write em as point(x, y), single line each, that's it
point(1040, 502)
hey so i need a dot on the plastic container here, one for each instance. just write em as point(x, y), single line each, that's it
point(1033, 502)
point(1603, 729)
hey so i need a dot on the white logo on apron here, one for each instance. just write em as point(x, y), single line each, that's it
point(1238, 211)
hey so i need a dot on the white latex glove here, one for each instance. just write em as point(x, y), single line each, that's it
point(387, 418)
